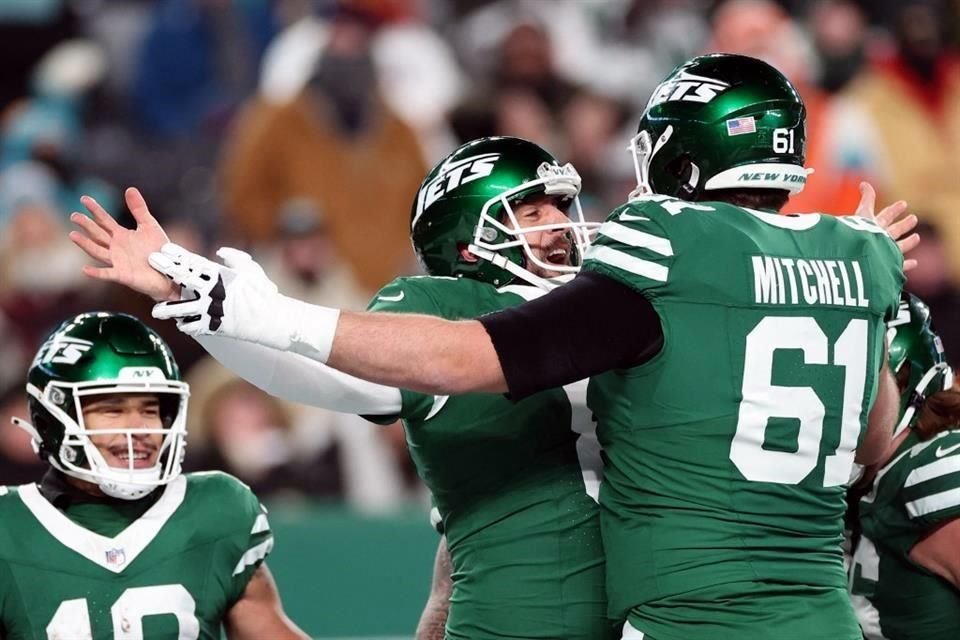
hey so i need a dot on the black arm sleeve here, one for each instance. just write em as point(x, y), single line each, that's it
point(589, 325)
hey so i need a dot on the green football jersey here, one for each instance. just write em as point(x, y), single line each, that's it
point(918, 490)
point(523, 534)
point(173, 572)
point(729, 452)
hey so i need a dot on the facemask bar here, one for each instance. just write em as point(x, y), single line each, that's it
point(127, 483)
point(555, 180)
point(920, 392)
point(643, 150)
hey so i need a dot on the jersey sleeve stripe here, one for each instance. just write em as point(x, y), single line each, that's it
point(436, 520)
point(636, 238)
point(932, 504)
point(261, 524)
point(941, 467)
point(626, 262)
point(254, 555)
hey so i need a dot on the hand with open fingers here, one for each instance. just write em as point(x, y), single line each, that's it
point(234, 299)
point(892, 220)
point(122, 253)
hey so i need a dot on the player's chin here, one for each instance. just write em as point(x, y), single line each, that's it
point(544, 272)
point(564, 268)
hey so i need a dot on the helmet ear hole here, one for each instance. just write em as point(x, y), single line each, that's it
point(682, 169)
point(465, 254)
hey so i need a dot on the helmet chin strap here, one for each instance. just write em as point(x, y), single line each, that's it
point(507, 265)
point(694, 180)
point(124, 491)
point(921, 387)
point(904, 421)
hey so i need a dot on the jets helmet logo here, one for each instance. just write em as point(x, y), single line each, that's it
point(687, 87)
point(452, 176)
point(63, 350)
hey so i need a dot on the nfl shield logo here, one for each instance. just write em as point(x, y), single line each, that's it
point(116, 557)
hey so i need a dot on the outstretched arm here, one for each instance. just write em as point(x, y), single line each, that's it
point(293, 377)
point(590, 325)
point(417, 352)
point(433, 620)
point(538, 345)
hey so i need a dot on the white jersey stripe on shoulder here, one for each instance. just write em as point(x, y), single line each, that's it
point(438, 403)
point(941, 467)
point(932, 504)
point(113, 554)
point(4, 491)
point(525, 291)
point(253, 555)
point(636, 238)
point(796, 223)
point(626, 262)
point(261, 524)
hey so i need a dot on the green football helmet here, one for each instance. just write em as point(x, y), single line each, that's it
point(101, 353)
point(467, 201)
point(721, 121)
point(916, 352)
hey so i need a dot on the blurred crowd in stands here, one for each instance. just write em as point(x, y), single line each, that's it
point(300, 130)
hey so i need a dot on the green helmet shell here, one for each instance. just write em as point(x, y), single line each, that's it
point(94, 354)
point(914, 346)
point(721, 121)
point(463, 201)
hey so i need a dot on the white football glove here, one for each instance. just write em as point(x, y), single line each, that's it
point(235, 299)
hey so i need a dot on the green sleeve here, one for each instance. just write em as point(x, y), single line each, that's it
point(931, 491)
point(634, 247)
point(248, 538)
point(407, 295)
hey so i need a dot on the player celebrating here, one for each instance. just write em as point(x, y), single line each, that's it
point(722, 511)
point(490, 224)
point(115, 542)
point(905, 579)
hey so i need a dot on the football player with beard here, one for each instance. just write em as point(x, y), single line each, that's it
point(736, 358)
point(115, 542)
point(905, 577)
point(491, 223)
